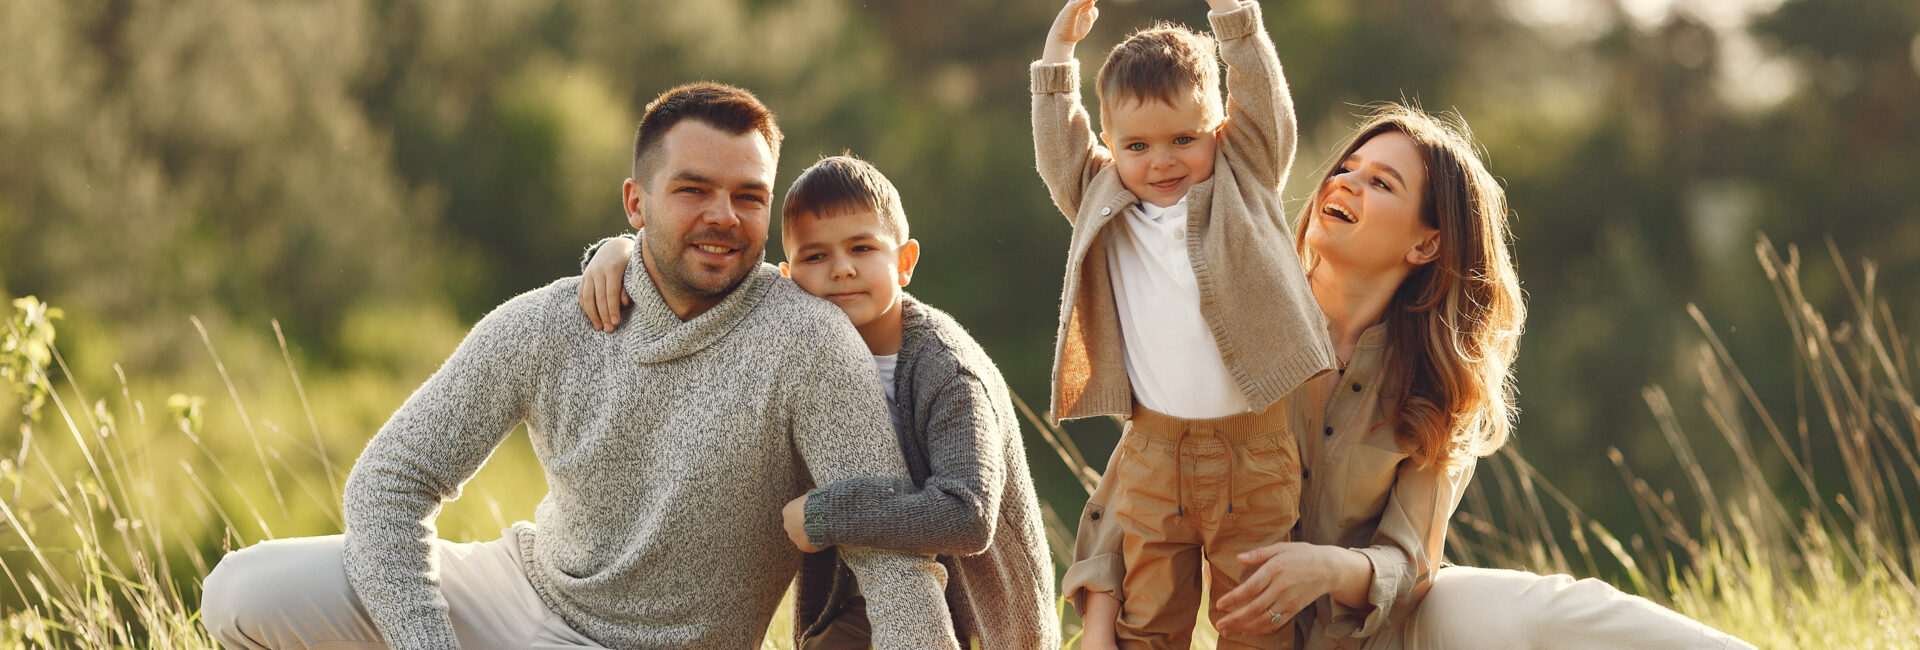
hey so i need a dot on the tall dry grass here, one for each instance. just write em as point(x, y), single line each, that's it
point(110, 513)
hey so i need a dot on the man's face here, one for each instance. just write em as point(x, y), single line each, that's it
point(704, 207)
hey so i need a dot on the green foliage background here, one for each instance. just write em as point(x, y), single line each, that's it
point(376, 174)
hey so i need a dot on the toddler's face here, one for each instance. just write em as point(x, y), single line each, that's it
point(849, 260)
point(1161, 150)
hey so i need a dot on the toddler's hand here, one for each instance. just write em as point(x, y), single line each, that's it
point(601, 292)
point(1073, 23)
point(794, 517)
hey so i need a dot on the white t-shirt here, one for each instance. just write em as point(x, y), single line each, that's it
point(1172, 360)
point(885, 363)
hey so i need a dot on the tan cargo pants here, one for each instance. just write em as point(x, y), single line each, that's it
point(1177, 492)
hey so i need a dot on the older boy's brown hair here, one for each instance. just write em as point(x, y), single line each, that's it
point(838, 185)
point(1162, 63)
point(730, 109)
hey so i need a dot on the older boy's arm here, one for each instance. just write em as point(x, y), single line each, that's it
point(841, 430)
point(1065, 149)
point(1406, 548)
point(1260, 129)
point(432, 445)
point(954, 513)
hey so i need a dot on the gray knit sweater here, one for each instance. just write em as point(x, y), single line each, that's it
point(970, 498)
point(669, 448)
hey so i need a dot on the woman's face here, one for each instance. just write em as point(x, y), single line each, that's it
point(1367, 214)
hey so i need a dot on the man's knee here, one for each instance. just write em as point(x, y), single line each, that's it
point(249, 589)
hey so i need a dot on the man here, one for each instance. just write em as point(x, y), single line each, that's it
point(669, 447)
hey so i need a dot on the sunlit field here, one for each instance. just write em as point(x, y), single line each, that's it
point(113, 506)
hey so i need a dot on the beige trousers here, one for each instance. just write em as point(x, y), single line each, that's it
point(293, 593)
point(1495, 608)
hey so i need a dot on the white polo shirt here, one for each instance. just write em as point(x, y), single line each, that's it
point(1172, 360)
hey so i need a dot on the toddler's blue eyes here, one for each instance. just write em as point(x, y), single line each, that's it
point(1183, 139)
point(1137, 146)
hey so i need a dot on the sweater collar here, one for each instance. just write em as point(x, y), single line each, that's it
point(657, 335)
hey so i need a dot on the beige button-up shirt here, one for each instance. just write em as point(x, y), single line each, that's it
point(1362, 492)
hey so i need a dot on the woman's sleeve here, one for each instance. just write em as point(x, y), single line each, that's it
point(1406, 548)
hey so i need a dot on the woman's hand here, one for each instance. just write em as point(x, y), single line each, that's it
point(1286, 578)
point(602, 293)
point(1102, 611)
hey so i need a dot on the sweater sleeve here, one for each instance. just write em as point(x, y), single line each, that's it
point(436, 441)
point(954, 513)
point(841, 430)
point(1260, 128)
point(1065, 149)
point(1406, 548)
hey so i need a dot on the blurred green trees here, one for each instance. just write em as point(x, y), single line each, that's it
point(374, 173)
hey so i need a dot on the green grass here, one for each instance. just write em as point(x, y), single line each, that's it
point(112, 507)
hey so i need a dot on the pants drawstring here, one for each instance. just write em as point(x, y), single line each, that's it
point(1179, 475)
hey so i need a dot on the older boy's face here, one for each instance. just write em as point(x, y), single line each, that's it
point(1160, 150)
point(850, 261)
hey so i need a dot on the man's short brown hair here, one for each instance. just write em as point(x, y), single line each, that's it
point(841, 184)
point(727, 108)
point(1162, 63)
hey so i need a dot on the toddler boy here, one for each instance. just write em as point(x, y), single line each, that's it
point(1185, 310)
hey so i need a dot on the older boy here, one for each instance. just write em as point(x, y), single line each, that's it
point(969, 499)
point(1184, 309)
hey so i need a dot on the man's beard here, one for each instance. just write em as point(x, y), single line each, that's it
point(678, 273)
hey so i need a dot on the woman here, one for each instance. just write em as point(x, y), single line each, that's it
point(1405, 247)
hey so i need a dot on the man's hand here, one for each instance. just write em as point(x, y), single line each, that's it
point(794, 517)
point(601, 292)
point(1073, 23)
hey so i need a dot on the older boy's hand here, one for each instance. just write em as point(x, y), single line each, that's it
point(1073, 23)
point(602, 294)
point(794, 517)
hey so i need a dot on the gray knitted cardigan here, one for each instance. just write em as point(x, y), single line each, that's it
point(970, 498)
point(669, 448)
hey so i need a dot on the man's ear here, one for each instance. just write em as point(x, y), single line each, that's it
point(785, 271)
point(632, 198)
point(909, 258)
point(1426, 251)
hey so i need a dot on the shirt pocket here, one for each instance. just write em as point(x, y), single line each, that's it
point(1371, 474)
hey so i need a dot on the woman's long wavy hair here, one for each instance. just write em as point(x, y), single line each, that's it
point(1454, 324)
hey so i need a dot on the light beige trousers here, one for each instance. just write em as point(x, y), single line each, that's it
point(1495, 608)
point(293, 593)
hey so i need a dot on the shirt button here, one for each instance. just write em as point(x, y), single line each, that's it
point(1329, 431)
point(1356, 388)
point(1305, 473)
point(1180, 234)
point(1095, 516)
point(1106, 211)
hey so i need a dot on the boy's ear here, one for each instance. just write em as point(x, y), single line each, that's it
point(1106, 140)
point(1427, 250)
point(632, 198)
point(785, 272)
point(909, 257)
